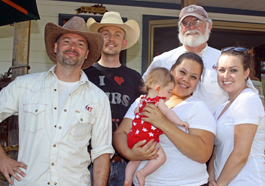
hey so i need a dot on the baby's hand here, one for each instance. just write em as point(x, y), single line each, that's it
point(142, 95)
point(184, 124)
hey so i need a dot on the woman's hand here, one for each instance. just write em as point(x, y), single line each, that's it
point(210, 167)
point(153, 115)
point(212, 183)
point(147, 152)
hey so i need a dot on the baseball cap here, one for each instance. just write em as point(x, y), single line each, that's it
point(193, 10)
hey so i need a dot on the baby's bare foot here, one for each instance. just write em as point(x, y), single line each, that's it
point(141, 177)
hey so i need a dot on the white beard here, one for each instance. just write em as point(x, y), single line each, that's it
point(194, 40)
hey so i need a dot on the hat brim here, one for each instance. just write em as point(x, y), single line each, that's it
point(95, 40)
point(194, 15)
point(130, 27)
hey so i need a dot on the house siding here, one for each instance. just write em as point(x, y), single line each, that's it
point(49, 12)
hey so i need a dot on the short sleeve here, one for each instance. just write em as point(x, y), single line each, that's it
point(247, 108)
point(200, 117)
point(130, 113)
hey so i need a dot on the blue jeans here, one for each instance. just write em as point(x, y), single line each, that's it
point(116, 175)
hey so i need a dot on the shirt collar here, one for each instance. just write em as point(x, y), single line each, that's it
point(83, 77)
point(51, 71)
point(202, 53)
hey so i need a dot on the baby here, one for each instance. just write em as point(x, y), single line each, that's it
point(159, 84)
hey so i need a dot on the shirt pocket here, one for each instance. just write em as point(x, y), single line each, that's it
point(82, 127)
point(34, 117)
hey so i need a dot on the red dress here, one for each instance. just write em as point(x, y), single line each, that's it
point(142, 130)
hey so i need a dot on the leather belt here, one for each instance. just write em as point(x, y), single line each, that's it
point(116, 158)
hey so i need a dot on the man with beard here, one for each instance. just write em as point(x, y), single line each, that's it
point(59, 112)
point(120, 83)
point(194, 32)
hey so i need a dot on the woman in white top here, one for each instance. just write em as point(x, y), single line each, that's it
point(240, 138)
point(186, 151)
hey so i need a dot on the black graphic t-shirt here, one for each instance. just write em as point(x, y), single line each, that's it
point(121, 86)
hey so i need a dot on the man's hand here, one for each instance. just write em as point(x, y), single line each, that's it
point(147, 152)
point(8, 166)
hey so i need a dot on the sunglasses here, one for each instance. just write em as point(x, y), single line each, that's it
point(237, 49)
point(195, 23)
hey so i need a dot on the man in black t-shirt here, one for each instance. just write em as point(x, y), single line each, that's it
point(120, 83)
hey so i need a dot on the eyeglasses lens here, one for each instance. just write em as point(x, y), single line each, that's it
point(195, 23)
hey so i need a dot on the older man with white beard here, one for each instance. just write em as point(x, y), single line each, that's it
point(194, 32)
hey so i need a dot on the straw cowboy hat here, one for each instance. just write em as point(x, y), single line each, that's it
point(75, 25)
point(130, 27)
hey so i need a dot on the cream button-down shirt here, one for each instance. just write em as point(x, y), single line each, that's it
point(53, 146)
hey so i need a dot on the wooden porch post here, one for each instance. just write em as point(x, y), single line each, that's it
point(20, 57)
point(21, 48)
point(185, 3)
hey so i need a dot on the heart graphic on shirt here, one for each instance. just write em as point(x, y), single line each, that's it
point(119, 80)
